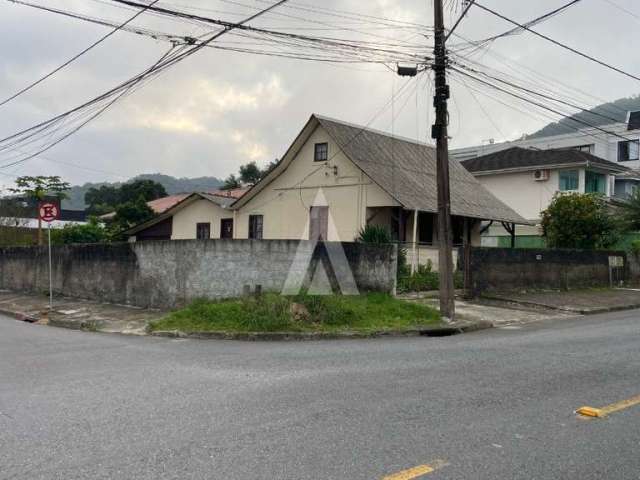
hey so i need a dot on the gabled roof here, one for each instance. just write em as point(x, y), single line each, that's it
point(234, 193)
point(223, 201)
point(517, 158)
point(163, 204)
point(404, 168)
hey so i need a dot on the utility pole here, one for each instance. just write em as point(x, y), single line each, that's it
point(439, 133)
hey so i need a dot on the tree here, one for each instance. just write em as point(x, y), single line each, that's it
point(250, 174)
point(146, 189)
point(38, 188)
point(270, 166)
point(631, 211)
point(130, 214)
point(107, 198)
point(579, 220)
point(231, 182)
point(102, 200)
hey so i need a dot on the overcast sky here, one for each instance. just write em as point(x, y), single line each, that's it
point(220, 109)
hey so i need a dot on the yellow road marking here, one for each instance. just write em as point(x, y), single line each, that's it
point(416, 472)
point(614, 407)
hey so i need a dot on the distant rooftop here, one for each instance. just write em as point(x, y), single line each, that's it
point(519, 158)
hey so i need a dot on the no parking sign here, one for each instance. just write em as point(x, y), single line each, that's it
point(48, 211)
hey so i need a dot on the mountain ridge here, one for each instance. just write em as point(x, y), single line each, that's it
point(603, 114)
point(172, 185)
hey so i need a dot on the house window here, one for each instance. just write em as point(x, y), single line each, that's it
point(584, 148)
point(321, 152)
point(568, 180)
point(628, 150)
point(595, 182)
point(255, 227)
point(203, 231)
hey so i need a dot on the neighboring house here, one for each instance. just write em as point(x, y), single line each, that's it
point(335, 179)
point(621, 145)
point(192, 216)
point(527, 180)
point(159, 205)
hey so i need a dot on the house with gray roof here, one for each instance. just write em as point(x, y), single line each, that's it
point(527, 179)
point(336, 178)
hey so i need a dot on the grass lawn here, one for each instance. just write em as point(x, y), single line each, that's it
point(273, 313)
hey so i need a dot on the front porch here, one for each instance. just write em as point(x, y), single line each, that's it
point(417, 232)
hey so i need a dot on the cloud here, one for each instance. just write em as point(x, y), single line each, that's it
point(219, 109)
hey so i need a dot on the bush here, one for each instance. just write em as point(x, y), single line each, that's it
point(425, 279)
point(375, 234)
point(578, 220)
point(92, 232)
point(380, 235)
point(635, 247)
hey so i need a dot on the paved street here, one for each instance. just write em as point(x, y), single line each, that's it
point(487, 405)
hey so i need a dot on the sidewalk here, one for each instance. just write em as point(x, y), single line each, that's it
point(583, 302)
point(500, 314)
point(77, 314)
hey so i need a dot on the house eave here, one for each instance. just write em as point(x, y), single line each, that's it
point(557, 166)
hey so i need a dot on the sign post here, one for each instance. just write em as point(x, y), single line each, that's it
point(48, 212)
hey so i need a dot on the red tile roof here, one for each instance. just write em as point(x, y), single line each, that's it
point(233, 193)
point(163, 204)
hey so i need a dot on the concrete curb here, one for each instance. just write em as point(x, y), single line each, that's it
point(439, 331)
point(427, 331)
point(91, 326)
point(23, 317)
point(564, 308)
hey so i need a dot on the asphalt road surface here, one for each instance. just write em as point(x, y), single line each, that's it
point(488, 405)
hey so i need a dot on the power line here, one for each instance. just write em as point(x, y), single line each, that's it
point(166, 61)
point(533, 92)
point(455, 25)
point(530, 23)
point(461, 72)
point(325, 49)
point(623, 9)
point(75, 57)
point(557, 43)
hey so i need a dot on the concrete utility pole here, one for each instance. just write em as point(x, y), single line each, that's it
point(439, 133)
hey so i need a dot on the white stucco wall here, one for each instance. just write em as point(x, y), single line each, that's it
point(521, 192)
point(529, 197)
point(286, 201)
point(201, 211)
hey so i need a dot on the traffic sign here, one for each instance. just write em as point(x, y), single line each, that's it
point(48, 211)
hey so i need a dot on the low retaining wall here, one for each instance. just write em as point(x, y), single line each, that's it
point(167, 274)
point(503, 269)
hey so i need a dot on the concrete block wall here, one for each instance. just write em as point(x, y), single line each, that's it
point(167, 274)
point(503, 269)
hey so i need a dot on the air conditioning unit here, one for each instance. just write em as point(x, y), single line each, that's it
point(541, 175)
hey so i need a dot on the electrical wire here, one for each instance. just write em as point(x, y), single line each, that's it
point(116, 93)
point(536, 103)
point(557, 43)
point(75, 57)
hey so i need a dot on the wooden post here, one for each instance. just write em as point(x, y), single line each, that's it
point(513, 235)
point(439, 133)
point(414, 249)
point(466, 251)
